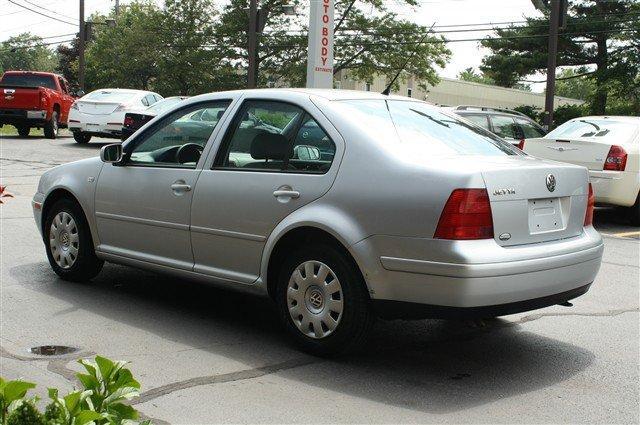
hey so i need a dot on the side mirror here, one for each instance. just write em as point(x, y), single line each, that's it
point(306, 153)
point(111, 154)
point(80, 93)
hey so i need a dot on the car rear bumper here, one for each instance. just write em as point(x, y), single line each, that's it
point(475, 274)
point(23, 117)
point(96, 125)
point(615, 187)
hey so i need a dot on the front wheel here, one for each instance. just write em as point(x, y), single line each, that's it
point(322, 300)
point(633, 212)
point(51, 126)
point(24, 131)
point(69, 244)
point(81, 138)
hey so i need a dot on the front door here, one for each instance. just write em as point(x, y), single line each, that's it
point(275, 158)
point(143, 205)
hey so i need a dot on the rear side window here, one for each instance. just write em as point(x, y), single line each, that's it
point(504, 127)
point(29, 80)
point(481, 120)
point(275, 136)
point(529, 129)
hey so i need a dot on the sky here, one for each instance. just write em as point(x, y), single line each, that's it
point(15, 20)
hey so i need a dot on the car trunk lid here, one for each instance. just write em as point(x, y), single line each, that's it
point(585, 152)
point(19, 97)
point(535, 201)
point(96, 107)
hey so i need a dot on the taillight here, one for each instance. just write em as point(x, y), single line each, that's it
point(466, 215)
point(128, 121)
point(43, 100)
point(521, 145)
point(616, 159)
point(591, 203)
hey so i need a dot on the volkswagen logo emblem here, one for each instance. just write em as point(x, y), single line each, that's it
point(551, 182)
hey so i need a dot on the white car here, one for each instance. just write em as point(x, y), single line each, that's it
point(609, 147)
point(101, 112)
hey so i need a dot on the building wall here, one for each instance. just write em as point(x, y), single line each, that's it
point(451, 92)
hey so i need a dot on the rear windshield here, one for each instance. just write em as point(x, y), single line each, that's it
point(427, 129)
point(164, 104)
point(29, 80)
point(110, 95)
point(596, 129)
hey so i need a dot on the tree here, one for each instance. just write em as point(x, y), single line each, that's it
point(471, 75)
point(369, 40)
point(596, 34)
point(575, 83)
point(68, 62)
point(26, 52)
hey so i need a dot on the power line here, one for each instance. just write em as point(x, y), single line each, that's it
point(11, 49)
point(48, 10)
point(40, 13)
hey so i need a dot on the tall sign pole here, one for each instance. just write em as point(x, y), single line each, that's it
point(554, 23)
point(320, 53)
point(81, 41)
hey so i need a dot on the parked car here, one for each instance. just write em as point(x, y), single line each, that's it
point(135, 120)
point(513, 126)
point(34, 100)
point(101, 112)
point(608, 147)
point(391, 207)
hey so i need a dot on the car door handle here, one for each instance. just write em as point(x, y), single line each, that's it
point(283, 193)
point(181, 187)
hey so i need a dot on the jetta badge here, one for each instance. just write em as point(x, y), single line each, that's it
point(551, 182)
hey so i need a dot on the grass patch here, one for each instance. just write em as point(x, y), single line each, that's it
point(9, 130)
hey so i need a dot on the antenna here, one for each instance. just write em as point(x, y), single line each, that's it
point(388, 89)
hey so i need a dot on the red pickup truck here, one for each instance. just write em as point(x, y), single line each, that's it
point(34, 99)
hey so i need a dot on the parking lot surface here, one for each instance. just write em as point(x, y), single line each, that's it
point(204, 355)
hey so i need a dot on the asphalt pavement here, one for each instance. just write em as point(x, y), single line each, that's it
point(205, 355)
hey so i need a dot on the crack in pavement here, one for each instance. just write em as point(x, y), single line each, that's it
point(620, 264)
point(222, 378)
point(608, 313)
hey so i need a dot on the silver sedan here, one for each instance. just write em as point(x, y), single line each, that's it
point(340, 206)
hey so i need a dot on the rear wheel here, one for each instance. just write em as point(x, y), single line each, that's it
point(69, 244)
point(51, 126)
point(23, 131)
point(322, 300)
point(81, 138)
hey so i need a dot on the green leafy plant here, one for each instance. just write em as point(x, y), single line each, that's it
point(107, 386)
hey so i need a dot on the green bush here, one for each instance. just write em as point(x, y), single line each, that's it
point(106, 386)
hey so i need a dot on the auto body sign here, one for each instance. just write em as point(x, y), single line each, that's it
point(320, 59)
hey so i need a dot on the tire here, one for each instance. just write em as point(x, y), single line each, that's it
point(51, 126)
point(351, 326)
point(23, 131)
point(81, 138)
point(633, 212)
point(85, 265)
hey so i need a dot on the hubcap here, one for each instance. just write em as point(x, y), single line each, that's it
point(315, 300)
point(63, 240)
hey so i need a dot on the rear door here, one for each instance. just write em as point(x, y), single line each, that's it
point(505, 127)
point(257, 180)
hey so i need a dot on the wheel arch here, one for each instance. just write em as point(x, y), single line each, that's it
point(52, 197)
point(295, 234)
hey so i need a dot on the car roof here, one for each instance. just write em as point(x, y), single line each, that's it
point(610, 118)
point(329, 94)
point(32, 73)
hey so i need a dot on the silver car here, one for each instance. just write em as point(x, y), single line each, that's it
point(340, 206)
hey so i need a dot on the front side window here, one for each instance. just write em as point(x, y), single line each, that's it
point(178, 140)
point(276, 136)
point(504, 127)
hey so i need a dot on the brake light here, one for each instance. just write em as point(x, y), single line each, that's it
point(43, 100)
point(521, 145)
point(616, 159)
point(465, 216)
point(128, 121)
point(591, 203)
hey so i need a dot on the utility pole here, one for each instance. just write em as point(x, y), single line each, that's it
point(117, 8)
point(252, 47)
point(81, 47)
point(554, 23)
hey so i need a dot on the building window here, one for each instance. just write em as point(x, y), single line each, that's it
point(409, 92)
point(367, 87)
